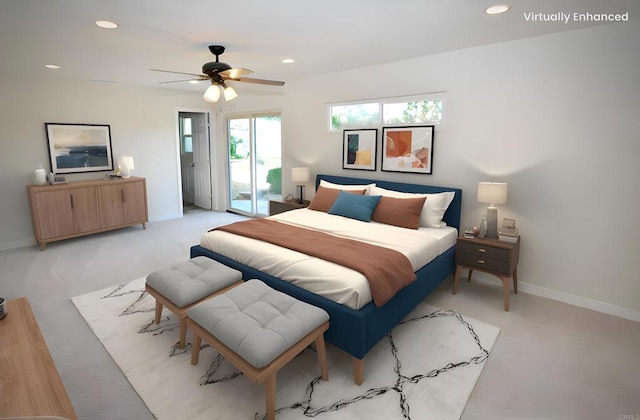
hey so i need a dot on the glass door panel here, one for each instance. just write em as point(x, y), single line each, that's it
point(268, 161)
point(240, 174)
point(255, 173)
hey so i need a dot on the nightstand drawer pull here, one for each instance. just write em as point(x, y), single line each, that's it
point(482, 250)
point(480, 261)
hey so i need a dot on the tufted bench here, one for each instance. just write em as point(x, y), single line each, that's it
point(259, 330)
point(188, 283)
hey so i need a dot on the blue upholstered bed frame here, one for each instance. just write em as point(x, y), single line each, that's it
point(357, 331)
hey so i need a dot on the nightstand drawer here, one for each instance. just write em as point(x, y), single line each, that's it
point(484, 263)
point(483, 251)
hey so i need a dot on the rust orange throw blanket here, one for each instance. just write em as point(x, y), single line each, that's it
point(386, 270)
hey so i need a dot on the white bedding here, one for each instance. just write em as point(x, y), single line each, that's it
point(340, 284)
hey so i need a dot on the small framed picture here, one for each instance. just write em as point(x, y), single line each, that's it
point(359, 149)
point(408, 149)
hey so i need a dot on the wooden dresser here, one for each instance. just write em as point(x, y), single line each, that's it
point(29, 381)
point(64, 211)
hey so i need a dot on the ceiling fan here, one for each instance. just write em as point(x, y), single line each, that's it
point(219, 73)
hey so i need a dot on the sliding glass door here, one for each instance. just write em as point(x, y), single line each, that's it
point(255, 159)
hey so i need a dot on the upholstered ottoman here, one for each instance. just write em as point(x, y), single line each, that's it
point(259, 330)
point(188, 283)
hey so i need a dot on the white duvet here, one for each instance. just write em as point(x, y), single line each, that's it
point(340, 284)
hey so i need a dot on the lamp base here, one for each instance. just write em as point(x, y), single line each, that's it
point(492, 222)
point(300, 194)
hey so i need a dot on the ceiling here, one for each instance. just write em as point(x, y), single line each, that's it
point(322, 37)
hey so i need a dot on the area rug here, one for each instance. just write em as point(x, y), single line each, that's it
point(426, 367)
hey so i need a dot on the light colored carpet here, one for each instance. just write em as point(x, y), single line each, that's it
point(426, 368)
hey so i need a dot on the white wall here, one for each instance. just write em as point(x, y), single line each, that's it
point(557, 117)
point(142, 125)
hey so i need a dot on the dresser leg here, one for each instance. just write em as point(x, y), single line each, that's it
point(515, 281)
point(505, 287)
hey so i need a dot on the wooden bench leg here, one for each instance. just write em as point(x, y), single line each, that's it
point(158, 311)
point(322, 357)
point(183, 332)
point(195, 348)
point(270, 395)
point(358, 370)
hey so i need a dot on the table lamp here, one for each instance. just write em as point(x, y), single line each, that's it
point(126, 166)
point(300, 176)
point(492, 193)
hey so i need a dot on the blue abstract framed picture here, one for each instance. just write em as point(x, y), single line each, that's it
point(77, 148)
point(359, 149)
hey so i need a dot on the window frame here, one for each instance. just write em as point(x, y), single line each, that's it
point(424, 97)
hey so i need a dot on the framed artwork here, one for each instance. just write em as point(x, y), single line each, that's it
point(79, 147)
point(359, 149)
point(408, 149)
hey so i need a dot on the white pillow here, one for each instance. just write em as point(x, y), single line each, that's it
point(367, 187)
point(434, 206)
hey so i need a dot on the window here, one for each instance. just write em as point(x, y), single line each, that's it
point(418, 109)
point(186, 135)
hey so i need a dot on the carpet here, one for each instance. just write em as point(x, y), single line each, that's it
point(426, 367)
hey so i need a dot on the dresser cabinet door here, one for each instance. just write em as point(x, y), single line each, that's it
point(86, 215)
point(134, 202)
point(110, 199)
point(53, 213)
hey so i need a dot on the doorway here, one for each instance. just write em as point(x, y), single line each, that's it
point(195, 163)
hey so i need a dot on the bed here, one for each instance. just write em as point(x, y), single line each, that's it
point(357, 327)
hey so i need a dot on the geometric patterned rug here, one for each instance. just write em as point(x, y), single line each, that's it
point(426, 368)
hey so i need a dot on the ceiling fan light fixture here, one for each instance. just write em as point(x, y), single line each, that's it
point(212, 94)
point(229, 93)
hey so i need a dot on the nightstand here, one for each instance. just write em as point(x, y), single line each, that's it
point(490, 256)
point(280, 206)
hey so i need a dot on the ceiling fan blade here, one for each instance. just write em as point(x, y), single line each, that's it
point(256, 81)
point(235, 73)
point(187, 80)
point(179, 72)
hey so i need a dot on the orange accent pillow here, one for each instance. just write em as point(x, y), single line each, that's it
point(325, 197)
point(403, 212)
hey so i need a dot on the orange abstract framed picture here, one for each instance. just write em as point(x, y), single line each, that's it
point(359, 149)
point(408, 149)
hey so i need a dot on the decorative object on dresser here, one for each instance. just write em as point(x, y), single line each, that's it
point(81, 208)
point(408, 149)
point(300, 176)
point(280, 206)
point(490, 256)
point(79, 147)
point(359, 149)
point(492, 193)
point(125, 166)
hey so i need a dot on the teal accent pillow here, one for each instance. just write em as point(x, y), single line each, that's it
point(359, 207)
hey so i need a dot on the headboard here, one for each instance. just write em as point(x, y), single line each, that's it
point(452, 215)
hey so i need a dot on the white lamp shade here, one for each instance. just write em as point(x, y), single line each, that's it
point(125, 163)
point(229, 93)
point(212, 94)
point(492, 192)
point(300, 175)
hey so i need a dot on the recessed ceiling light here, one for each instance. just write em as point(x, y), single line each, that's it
point(106, 24)
point(52, 66)
point(288, 61)
point(496, 10)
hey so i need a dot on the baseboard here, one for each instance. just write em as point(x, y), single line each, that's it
point(23, 243)
point(580, 301)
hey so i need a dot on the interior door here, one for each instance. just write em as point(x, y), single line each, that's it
point(201, 161)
